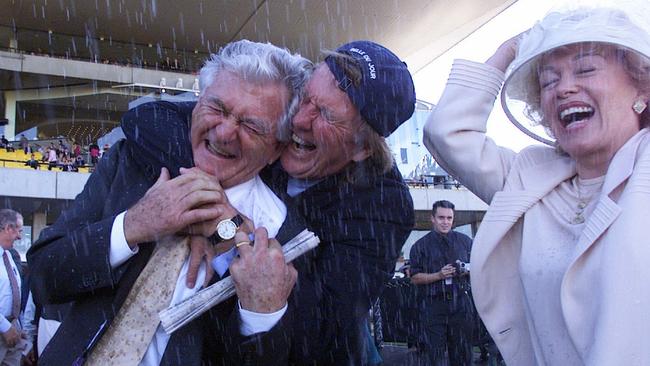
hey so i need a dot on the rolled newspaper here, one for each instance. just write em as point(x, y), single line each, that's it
point(182, 313)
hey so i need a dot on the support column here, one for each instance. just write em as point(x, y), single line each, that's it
point(39, 223)
point(10, 115)
point(475, 226)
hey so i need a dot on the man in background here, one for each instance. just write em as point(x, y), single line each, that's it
point(440, 267)
point(11, 342)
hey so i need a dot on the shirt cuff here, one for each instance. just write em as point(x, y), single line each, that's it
point(120, 251)
point(252, 322)
point(5, 324)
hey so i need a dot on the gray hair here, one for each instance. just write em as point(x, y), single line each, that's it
point(262, 63)
point(8, 217)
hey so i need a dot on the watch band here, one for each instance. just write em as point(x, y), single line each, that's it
point(238, 220)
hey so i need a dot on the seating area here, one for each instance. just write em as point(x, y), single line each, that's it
point(18, 159)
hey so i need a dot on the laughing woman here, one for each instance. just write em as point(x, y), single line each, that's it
point(560, 265)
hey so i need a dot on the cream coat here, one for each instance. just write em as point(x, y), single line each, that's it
point(605, 292)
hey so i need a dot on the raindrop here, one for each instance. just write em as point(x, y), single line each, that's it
point(286, 10)
point(154, 8)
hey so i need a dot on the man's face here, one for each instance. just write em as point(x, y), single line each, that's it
point(324, 128)
point(12, 233)
point(442, 220)
point(234, 127)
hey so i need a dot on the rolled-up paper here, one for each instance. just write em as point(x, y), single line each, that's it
point(182, 313)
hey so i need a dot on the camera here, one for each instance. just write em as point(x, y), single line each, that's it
point(461, 267)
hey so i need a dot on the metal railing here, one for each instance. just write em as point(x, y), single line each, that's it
point(434, 181)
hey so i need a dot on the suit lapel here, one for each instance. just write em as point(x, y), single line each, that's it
point(276, 179)
point(293, 224)
point(607, 210)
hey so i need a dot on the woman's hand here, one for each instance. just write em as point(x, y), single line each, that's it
point(506, 53)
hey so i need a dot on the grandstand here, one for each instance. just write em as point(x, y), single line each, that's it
point(65, 76)
point(17, 159)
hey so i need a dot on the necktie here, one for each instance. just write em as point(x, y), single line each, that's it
point(15, 291)
point(129, 335)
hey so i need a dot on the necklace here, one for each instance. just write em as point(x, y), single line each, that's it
point(591, 186)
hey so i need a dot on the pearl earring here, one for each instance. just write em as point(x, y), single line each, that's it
point(639, 106)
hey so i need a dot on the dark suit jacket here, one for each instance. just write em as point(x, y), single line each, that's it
point(70, 261)
point(362, 226)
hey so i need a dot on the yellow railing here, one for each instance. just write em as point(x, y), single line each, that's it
point(17, 164)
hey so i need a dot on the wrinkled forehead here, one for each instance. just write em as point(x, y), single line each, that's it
point(322, 80)
point(324, 88)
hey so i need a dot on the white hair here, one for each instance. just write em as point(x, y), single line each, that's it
point(262, 63)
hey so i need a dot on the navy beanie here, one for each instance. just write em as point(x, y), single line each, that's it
point(385, 97)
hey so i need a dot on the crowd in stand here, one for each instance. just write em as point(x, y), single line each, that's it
point(68, 158)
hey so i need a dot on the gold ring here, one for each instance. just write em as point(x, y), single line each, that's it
point(242, 243)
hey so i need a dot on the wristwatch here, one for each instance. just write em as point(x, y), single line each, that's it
point(226, 229)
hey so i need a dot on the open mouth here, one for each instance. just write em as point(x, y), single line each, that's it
point(301, 144)
point(214, 149)
point(576, 114)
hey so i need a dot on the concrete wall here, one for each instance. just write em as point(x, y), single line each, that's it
point(89, 70)
point(65, 185)
point(41, 183)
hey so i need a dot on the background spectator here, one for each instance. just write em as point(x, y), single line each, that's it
point(32, 162)
point(94, 153)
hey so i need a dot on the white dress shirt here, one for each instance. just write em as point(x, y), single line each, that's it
point(5, 293)
point(253, 199)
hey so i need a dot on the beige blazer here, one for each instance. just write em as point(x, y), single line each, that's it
point(605, 292)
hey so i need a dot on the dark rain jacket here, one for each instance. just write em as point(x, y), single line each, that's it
point(70, 262)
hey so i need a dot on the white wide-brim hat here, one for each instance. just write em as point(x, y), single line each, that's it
point(521, 90)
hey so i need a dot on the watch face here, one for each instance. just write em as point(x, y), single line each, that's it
point(226, 229)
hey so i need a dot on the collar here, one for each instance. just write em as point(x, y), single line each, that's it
point(255, 200)
point(296, 186)
point(622, 164)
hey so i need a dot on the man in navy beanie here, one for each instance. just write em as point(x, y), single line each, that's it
point(344, 181)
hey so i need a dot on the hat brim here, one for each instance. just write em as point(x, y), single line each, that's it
point(520, 93)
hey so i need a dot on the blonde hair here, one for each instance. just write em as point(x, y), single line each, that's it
point(636, 66)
